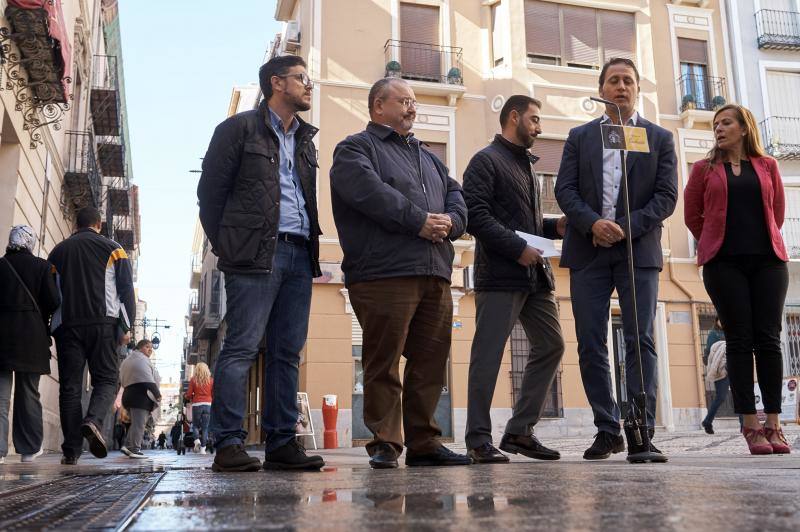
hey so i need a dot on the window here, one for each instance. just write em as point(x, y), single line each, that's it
point(694, 74)
point(498, 34)
point(439, 149)
point(549, 152)
point(213, 308)
point(420, 55)
point(575, 36)
point(520, 351)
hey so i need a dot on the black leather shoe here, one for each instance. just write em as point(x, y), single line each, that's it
point(69, 460)
point(487, 454)
point(292, 456)
point(97, 445)
point(604, 444)
point(440, 457)
point(529, 446)
point(234, 458)
point(384, 457)
point(708, 427)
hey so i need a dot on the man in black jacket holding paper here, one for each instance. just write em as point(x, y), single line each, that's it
point(512, 282)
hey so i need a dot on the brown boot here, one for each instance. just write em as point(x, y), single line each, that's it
point(234, 458)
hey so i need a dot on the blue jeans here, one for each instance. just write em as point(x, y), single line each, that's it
point(201, 416)
point(721, 392)
point(277, 304)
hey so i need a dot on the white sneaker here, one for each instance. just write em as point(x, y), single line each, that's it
point(136, 455)
point(197, 445)
point(32, 457)
point(124, 450)
point(2, 459)
point(203, 450)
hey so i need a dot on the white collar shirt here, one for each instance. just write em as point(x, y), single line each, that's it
point(612, 174)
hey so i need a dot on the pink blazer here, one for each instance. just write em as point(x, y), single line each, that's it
point(705, 205)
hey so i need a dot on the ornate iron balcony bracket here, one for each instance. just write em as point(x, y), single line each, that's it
point(40, 102)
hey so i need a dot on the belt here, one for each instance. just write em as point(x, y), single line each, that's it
point(298, 240)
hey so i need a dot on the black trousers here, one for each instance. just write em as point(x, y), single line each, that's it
point(748, 292)
point(77, 346)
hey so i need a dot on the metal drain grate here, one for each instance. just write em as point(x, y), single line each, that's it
point(92, 502)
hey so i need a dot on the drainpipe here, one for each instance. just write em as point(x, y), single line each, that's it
point(701, 388)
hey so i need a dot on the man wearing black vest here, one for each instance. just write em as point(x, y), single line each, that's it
point(512, 282)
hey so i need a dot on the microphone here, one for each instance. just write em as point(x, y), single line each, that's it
point(601, 100)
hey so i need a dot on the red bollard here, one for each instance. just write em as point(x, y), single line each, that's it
point(330, 411)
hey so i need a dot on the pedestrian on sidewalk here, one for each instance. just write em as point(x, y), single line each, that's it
point(717, 377)
point(734, 206)
point(97, 310)
point(200, 395)
point(120, 429)
point(162, 441)
point(140, 380)
point(396, 211)
point(28, 298)
point(512, 282)
point(258, 206)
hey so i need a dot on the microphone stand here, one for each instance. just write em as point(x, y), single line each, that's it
point(635, 425)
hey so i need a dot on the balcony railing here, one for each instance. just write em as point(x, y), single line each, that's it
point(778, 30)
point(791, 236)
point(105, 100)
point(423, 62)
point(81, 175)
point(781, 135)
point(703, 93)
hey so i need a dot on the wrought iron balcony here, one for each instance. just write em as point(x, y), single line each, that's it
point(702, 93)
point(105, 100)
point(778, 30)
point(119, 201)
point(111, 156)
point(81, 175)
point(424, 62)
point(791, 236)
point(781, 136)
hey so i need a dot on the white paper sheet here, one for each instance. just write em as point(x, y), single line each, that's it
point(545, 245)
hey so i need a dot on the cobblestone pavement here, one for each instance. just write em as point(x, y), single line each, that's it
point(710, 483)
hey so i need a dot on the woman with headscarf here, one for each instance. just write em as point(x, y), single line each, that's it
point(28, 298)
point(141, 396)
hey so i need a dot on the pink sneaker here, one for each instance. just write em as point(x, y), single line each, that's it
point(753, 443)
point(778, 441)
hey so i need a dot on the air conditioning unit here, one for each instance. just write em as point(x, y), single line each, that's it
point(469, 279)
point(291, 38)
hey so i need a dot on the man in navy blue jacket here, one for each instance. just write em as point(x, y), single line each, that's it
point(587, 190)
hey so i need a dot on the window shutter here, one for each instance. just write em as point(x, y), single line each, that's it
point(693, 51)
point(549, 152)
point(542, 29)
point(580, 35)
point(420, 57)
point(357, 334)
point(439, 149)
point(618, 34)
point(498, 34)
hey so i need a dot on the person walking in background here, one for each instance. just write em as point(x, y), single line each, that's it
point(120, 429)
point(588, 191)
point(512, 281)
point(141, 396)
point(396, 210)
point(28, 298)
point(200, 395)
point(257, 197)
point(718, 376)
point(162, 441)
point(98, 307)
point(734, 206)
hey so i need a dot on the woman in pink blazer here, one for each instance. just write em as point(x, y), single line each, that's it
point(733, 205)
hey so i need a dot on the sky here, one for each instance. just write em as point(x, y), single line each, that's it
point(182, 59)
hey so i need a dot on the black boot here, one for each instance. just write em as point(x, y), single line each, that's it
point(292, 456)
point(97, 445)
point(604, 444)
point(234, 458)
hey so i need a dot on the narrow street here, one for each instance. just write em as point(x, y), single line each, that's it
point(708, 484)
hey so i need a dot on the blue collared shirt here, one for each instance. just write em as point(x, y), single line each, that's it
point(293, 214)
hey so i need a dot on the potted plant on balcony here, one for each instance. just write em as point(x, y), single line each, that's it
point(717, 102)
point(454, 76)
point(393, 69)
point(688, 102)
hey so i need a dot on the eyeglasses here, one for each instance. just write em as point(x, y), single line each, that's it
point(302, 76)
point(407, 102)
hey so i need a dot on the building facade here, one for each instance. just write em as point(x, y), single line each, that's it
point(63, 133)
point(463, 59)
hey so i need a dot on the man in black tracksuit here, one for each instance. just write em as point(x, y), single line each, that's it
point(512, 281)
point(98, 307)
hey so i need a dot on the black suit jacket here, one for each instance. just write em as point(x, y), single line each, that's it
point(579, 190)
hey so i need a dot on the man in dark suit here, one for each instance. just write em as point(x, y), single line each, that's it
point(587, 190)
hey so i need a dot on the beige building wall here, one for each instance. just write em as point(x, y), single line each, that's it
point(343, 44)
point(32, 173)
